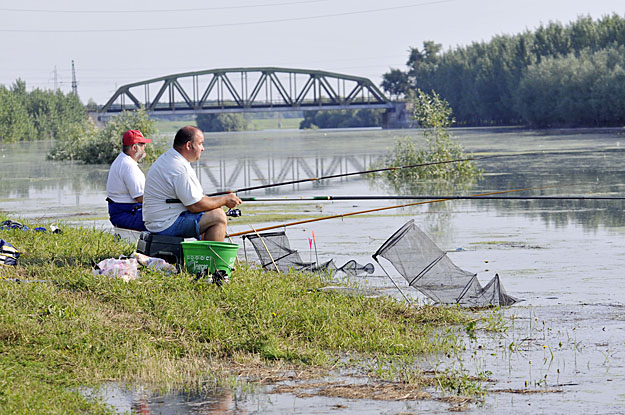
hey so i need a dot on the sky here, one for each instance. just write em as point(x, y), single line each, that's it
point(118, 42)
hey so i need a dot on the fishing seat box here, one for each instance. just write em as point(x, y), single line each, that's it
point(168, 248)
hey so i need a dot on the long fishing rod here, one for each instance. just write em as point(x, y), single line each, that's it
point(334, 176)
point(284, 225)
point(383, 169)
point(410, 197)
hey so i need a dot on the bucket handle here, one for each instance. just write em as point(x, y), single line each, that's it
point(219, 256)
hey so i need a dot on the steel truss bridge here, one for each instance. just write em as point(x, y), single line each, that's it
point(248, 90)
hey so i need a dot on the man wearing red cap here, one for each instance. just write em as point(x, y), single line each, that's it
point(125, 183)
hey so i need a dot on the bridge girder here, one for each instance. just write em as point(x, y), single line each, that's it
point(257, 89)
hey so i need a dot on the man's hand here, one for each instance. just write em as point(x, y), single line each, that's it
point(209, 203)
point(232, 200)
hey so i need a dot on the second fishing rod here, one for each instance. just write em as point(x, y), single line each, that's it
point(383, 169)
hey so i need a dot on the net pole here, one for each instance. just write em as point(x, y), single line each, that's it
point(266, 248)
point(393, 281)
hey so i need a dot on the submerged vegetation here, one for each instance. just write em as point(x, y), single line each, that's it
point(434, 116)
point(91, 145)
point(61, 327)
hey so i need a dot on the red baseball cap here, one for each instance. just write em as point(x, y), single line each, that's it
point(133, 137)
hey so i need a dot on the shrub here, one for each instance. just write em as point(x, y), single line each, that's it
point(86, 143)
point(434, 117)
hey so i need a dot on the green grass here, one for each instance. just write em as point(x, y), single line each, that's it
point(75, 329)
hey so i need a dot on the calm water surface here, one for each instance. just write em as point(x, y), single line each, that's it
point(564, 258)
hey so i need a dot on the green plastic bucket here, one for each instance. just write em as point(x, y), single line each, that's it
point(209, 255)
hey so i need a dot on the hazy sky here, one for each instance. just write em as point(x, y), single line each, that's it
point(117, 42)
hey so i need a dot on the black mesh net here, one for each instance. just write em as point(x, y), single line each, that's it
point(428, 269)
point(274, 252)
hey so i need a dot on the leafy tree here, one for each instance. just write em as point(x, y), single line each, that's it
point(221, 122)
point(342, 119)
point(53, 112)
point(15, 124)
point(434, 116)
point(575, 90)
point(395, 83)
point(497, 82)
point(92, 146)
point(38, 114)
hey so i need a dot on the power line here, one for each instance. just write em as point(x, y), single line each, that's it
point(290, 19)
point(197, 9)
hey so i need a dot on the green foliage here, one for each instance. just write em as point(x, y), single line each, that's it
point(86, 143)
point(516, 79)
point(15, 123)
point(37, 114)
point(342, 119)
point(221, 122)
point(53, 113)
point(395, 82)
point(70, 146)
point(575, 90)
point(434, 117)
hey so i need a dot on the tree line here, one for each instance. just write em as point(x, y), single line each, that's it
point(557, 75)
point(38, 114)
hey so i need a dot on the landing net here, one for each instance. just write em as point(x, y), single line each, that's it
point(428, 269)
point(275, 253)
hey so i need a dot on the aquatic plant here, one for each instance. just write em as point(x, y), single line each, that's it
point(434, 117)
point(91, 145)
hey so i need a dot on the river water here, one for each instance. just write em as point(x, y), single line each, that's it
point(565, 259)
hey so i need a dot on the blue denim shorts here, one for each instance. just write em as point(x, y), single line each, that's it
point(187, 225)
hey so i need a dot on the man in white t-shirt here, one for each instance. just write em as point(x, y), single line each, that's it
point(125, 182)
point(172, 177)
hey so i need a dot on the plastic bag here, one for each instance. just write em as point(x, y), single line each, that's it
point(156, 264)
point(125, 269)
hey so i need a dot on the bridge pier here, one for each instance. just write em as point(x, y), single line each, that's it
point(399, 116)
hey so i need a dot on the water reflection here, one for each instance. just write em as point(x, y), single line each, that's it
point(34, 187)
point(248, 172)
point(142, 401)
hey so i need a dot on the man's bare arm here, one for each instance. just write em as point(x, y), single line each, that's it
point(207, 203)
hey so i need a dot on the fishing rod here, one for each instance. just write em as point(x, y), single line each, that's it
point(284, 225)
point(410, 197)
point(383, 169)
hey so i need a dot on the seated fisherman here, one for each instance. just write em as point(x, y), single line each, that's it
point(125, 182)
point(172, 177)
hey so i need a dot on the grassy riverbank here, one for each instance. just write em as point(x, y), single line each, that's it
point(68, 329)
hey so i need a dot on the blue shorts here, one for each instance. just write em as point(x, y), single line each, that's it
point(187, 225)
point(127, 215)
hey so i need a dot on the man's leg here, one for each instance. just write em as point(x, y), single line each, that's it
point(213, 225)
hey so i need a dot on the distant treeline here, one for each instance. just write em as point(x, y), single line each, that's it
point(557, 75)
point(37, 114)
point(342, 119)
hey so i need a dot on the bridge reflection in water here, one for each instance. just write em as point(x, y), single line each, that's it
point(243, 173)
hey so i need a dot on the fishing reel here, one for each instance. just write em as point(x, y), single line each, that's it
point(233, 213)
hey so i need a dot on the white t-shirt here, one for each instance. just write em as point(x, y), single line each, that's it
point(170, 177)
point(125, 180)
